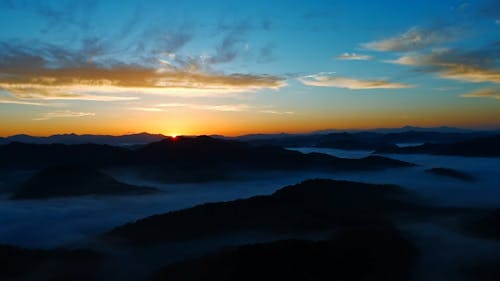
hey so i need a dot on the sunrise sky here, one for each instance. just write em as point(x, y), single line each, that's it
point(237, 67)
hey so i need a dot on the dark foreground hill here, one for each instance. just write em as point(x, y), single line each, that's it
point(377, 253)
point(33, 264)
point(64, 181)
point(314, 205)
point(481, 147)
point(486, 225)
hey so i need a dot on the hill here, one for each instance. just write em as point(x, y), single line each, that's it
point(64, 181)
point(314, 205)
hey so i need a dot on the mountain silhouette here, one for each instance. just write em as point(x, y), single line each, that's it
point(64, 181)
point(377, 253)
point(313, 205)
point(185, 158)
point(123, 140)
point(484, 225)
point(365, 140)
point(451, 173)
point(58, 264)
point(481, 147)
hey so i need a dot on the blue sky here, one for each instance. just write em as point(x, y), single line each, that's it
point(234, 67)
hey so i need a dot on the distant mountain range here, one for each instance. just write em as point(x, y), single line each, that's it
point(145, 138)
point(124, 140)
point(483, 146)
point(440, 129)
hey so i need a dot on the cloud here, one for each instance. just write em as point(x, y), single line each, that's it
point(492, 93)
point(415, 38)
point(270, 111)
point(49, 72)
point(490, 9)
point(212, 107)
point(353, 56)
point(63, 92)
point(216, 107)
point(266, 24)
point(57, 14)
point(228, 49)
point(327, 80)
point(21, 102)
point(266, 54)
point(148, 109)
point(477, 66)
point(226, 107)
point(62, 114)
point(171, 42)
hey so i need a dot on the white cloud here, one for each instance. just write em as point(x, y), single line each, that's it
point(325, 80)
point(63, 114)
point(491, 93)
point(148, 109)
point(21, 102)
point(414, 39)
point(450, 64)
point(353, 56)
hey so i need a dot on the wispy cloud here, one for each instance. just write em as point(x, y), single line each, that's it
point(491, 93)
point(266, 54)
point(148, 109)
point(490, 9)
point(271, 111)
point(230, 46)
point(50, 72)
point(328, 80)
point(21, 102)
point(415, 38)
point(162, 107)
point(353, 56)
point(226, 107)
point(211, 107)
point(62, 92)
point(476, 66)
point(62, 114)
point(58, 14)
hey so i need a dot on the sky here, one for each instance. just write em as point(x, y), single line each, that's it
point(239, 67)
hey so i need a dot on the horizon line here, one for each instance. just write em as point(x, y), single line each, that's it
point(409, 127)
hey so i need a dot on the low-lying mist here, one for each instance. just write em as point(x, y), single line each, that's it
point(75, 221)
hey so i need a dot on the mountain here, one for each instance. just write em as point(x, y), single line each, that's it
point(441, 129)
point(311, 206)
point(36, 156)
point(378, 253)
point(481, 147)
point(289, 139)
point(59, 264)
point(366, 140)
point(204, 158)
point(124, 140)
point(65, 181)
point(185, 158)
point(485, 225)
point(451, 173)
